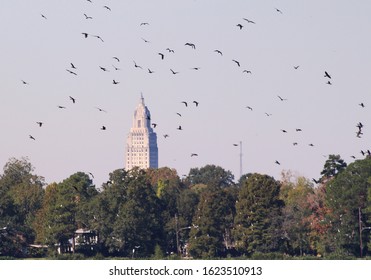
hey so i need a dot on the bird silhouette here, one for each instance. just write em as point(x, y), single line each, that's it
point(316, 181)
point(137, 66)
point(172, 71)
point(144, 23)
point(31, 137)
point(24, 82)
point(116, 68)
point(180, 127)
point(103, 69)
point(87, 17)
point(296, 67)
point(278, 10)
point(237, 62)
point(249, 21)
point(162, 55)
point(154, 125)
point(115, 82)
point(327, 75)
point(329, 83)
point(150, 71)
point(240, 26)
point(295, 143)
point(145, 41)
point(108, 8)
point(194, 155)
point(195, 68)
point(247, 71)
point(40, 124)
point(166, 135)
point(248, 107)
point(195, 102)
point(185, 103)
point(282, 99)
point(362, 105)
point(284, 131)
point(43, 16)
point(71, 72)
point(235, 145)
point(101, 110)
point(115, 57)
point(277, 162)
point(72, 99)
point(103, 127)
point(298, 129)
point(61, 107)
point(193, 46)
point(73, 66)
point(85, 34)
point(97, 36)
point(218, 51)
point(179, 114)
point(312, 145)
point(170, 50)
point(91, 174)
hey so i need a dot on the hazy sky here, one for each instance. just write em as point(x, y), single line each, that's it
point(317, 36)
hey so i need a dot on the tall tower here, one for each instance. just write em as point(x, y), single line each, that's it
point(141, 145)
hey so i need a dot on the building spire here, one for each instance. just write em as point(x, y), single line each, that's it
point(141, 98)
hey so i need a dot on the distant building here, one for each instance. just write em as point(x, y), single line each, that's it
point(141, 145)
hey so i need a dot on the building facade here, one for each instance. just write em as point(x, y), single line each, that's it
point(141, 145)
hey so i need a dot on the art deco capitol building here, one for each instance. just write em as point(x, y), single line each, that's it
point(141, 145)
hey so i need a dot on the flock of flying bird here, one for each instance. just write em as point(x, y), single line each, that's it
point(73, 70)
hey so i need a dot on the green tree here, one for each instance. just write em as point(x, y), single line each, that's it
point(347, 199)
point(21, 195)
point(296, 213)
point(333, 166)
point(212, 223)
point(258, 222)
point(210, 175)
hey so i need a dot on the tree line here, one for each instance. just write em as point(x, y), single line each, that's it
point(206, 214)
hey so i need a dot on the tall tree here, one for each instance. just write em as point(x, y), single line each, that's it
point(258, 223)
point(210, 175)
point(212, 223)
point(333, 165)
point(347, 198)
point(21, 195)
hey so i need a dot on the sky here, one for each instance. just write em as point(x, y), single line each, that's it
point(285, 50)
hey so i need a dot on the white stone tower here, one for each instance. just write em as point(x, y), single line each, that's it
point(141, 145)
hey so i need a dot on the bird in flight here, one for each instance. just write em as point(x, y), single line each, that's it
point(150, 71)
point(172, 71)
point(106, 7)
point(87, 17)
point(316, 181)
point(116, 68)
point(85, 34)
point(180, 127)
point(362, 105)
point(162, 55)
point(40, 124)
point(284, 131)
point(239, 26)
point(43, 16)
point(31, 137)
point(185, 103)
point(71, 72)
point(277, 162)
point(268, 115)
point(24, 82)
point(278, 10)
point(72, 99)
point(145, 41)
point(193, 46)
point(329, 83)
point(115, 82)
point(166, 135)
point(295, 143)
point(103, 127)
point(97, 36)
point(136, 65)
point(237, 62)
point(170, 50)
point(327, 75)
point(73, 66)
point(196, 103)
point(219, 52)
point(195, 68)
point(249, 21)
point(91, 174)
point(101, 110)
point(179, 114)
point(154, 125)
point(246, 71)
point(115, 57)
point(298, 129)
point(248, 107)
point(144, 23)
point(312, 145)
point(296, 67)
point(103, 68)
point(194, 155)
point(282, 99)
point(61, 107)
